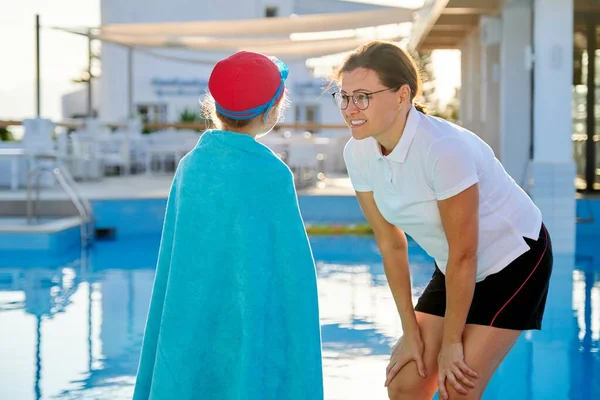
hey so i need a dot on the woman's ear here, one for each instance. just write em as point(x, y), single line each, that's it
point(405, 94)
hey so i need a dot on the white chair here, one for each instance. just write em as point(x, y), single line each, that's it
point(87, 162)
point(303, 160)
point(38, 143)
point(168, 145)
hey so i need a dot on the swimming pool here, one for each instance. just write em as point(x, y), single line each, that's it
point(72, 328)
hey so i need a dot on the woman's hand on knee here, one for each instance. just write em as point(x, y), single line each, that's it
point(453, 371)
point(410, 347)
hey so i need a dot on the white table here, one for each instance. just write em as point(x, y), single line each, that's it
point(163, 151)
point(14, 155)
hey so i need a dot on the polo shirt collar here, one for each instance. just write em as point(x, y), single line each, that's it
point(410, 129)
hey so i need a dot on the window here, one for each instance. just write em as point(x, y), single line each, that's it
point(152, 112)
point(312, 114)
point(271, 11)
point(585, 132)
point(307, 114)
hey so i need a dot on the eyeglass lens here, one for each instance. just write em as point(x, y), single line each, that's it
point(360, 99)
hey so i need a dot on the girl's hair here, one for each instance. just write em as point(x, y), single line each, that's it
point(394, 66)
point(210, 113)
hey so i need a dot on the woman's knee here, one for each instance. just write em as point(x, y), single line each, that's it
point(409, 385)
point(473, 394)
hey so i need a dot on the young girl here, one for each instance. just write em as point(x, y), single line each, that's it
point(443, 186)
point(234, 310)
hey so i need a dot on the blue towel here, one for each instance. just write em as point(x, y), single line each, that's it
point(234, 310)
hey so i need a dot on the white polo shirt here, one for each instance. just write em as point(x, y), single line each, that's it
point(435, 160)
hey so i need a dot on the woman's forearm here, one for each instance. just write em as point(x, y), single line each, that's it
point(395, 264)
point(460, 286)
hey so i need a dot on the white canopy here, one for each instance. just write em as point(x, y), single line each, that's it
point(268, 26)
point(294, 36)
point(281, 47)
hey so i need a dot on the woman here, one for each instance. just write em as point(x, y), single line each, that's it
point(234, 311)
point(441, 185)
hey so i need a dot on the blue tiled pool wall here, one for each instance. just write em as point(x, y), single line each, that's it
point(588, 215)
point(34, 241)
point(139, 217)
point(588, 231)
point(35, 248)
point(131, 218)
point(145, 216)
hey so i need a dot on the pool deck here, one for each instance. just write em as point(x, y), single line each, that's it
point(157, 187)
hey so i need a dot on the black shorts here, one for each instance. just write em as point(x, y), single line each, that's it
point(513, 298)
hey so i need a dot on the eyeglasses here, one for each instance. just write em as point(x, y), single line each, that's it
point(360, 99)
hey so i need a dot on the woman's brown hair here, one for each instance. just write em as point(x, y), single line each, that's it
point(394, 66)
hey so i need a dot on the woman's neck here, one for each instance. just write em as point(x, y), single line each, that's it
point(389, 140)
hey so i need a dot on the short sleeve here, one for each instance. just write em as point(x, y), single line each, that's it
point(356, 172)
point(453, 167)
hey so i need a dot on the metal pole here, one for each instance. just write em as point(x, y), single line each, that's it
point(89, 88)
point(590, 159)
point(37, 66)
point(130, 80)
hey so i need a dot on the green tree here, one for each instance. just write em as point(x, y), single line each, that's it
point(6, 135)
point(191, 116)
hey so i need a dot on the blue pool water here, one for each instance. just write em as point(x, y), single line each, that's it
point(71, 328)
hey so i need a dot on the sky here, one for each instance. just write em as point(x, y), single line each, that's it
point(64, 55)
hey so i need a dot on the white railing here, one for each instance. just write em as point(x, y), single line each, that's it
point(65, 180)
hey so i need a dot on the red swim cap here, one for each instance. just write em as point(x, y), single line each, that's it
point(246, 84)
